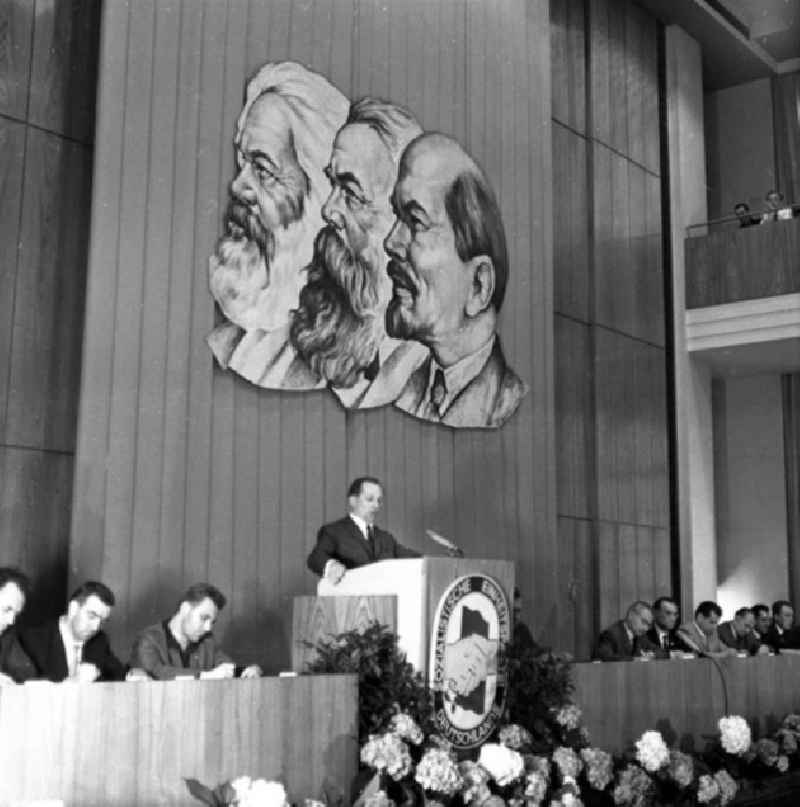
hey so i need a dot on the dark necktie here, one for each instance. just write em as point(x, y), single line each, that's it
point(438, 390)
point(371, 539)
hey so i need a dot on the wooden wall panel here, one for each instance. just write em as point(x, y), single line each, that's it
point(12, 156)
point(64, 67)
point(204, 476)
point(570, 224)
point(49, 293)
point(575, 464)
point(577, 584)
point(45, 191)
point(568, 59)
point(16, 29)
point(790, 384)
point(786, 126)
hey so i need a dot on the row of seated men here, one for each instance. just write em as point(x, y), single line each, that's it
point(74, 647)
point(649, 632)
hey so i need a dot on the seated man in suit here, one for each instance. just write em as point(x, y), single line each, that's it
point(782, 634)
point(73, 646)
point(739, 633)
point(15, 666)
point(701, 634)
point(184, 645)
point(354, 540)
point(626, 639)
point(763, 619)
point(663, 635)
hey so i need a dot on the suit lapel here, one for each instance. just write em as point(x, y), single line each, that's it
point(58, 655)
point(357, 540)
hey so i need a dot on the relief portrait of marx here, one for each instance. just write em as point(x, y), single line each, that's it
point(302, 276)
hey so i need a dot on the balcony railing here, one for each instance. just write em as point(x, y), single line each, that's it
point(732, 263)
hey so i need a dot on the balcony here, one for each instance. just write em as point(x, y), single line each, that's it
point(743, 296)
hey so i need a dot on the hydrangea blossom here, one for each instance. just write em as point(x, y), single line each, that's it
point(734, 734)
point(651, 751)
point(505, 765)
point(405, 727)
point(633, 787)
point(476, 782)
point(535, 788)
point(387, 752)
point(437, 771)
point(568, 716)
point(599, 767)
point(767, 751)
point(727, 786)
point(568, 762)
point(707, 789)
point(681, 768)
point(514, 736)
point(782, 763)
point(258, 793)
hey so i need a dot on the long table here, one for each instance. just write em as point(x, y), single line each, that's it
point(684, 698)
point(134, 743)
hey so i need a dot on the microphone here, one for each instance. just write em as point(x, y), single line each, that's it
point(453, 550)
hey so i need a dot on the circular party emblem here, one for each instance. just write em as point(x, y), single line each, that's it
point(467, 672)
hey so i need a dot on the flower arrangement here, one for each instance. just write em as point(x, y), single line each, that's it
point(242, 792)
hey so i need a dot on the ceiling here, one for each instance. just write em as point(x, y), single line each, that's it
point(741, 40)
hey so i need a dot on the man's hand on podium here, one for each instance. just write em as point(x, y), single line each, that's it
point(224, 670)
point(253, 671)
point(334, 571)
point(6, 680)
point(137, 674)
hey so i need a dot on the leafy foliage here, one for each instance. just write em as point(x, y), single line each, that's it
point(387, 683)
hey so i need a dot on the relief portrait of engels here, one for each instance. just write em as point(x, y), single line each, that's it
point(361, 255)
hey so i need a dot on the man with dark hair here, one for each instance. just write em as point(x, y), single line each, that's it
point(15, 666)
point(746, 219)
point(449, 269)
point(73, 646)
point(663, 634)
point(354, 540)
point(701, 634)
point(739, 632)
point(763, 619)
point(626, 639)
point(183, 645)
point(782, 634)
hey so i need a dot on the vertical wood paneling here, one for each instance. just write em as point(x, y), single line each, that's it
point(48, 295)
point(209, 476)
point(576, 615)
point(12, 153)
point(64, 66)
point(16, 37)
point(570, 224)
point(785, 105)
point(568, 60)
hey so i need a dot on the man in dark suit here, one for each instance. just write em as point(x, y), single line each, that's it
point(15, 666)
point(782, 634)
point(354, 540)
point(739, 632)
point(663, 635)
point(626, 639)
point(449, 269)
point(73, 646)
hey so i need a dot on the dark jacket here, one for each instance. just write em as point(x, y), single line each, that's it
point(727, 634)
point(44, 646)
point(342, 540)
point(14, 661)
point(673, 642)
point(614, 644)
point(778, 641)
point(158, 653)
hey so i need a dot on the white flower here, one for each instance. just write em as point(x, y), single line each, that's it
point(568, 762)
point(404, 727)
point(651, 751)
point(504, 764)
point(568, 716)
point(727, 786)
point(379, 799)
point(707, 789)
point(241, 785)
point(387, 752)
point(734, 734)
point(437, 771)
point(782, 763)
point(535, 787)
point(599, 767)
point(263, 794)
point(514, 736)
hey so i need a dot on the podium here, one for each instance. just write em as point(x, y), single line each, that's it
point(419, 587)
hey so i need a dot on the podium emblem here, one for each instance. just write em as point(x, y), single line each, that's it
point(467, 671)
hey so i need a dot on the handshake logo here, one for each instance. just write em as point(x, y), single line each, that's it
point(472, 622)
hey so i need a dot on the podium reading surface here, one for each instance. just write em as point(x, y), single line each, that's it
point(134, 743)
